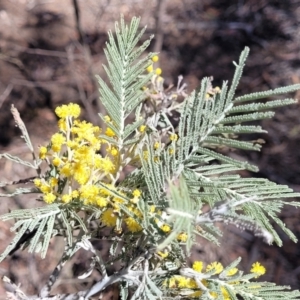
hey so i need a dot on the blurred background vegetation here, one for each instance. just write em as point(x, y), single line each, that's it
point(50, 51)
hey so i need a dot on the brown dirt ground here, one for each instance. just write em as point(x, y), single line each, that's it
point(44, 63)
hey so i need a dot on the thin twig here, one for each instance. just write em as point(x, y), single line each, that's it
point(88, 59)
point(159, 32)
point(36, 83)
point(5, 94)
point(37, 51)
point(83, 98)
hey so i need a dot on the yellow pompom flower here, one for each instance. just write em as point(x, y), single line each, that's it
point(142, 128)
point(101, 201)
point(74, 110)
point(156, 145)
point(133, 225)
point(114, 151)
point(182, 237)
point(45, 188)
point(217, 89)
point(49, 198)
point(171, 282)
point(75, 194)
point(225, 294)
point(163, 254)
point(149, 69)
point(109, 218)
point(66, 198)
point(155, 58)
point(232, 272)
point(165, 228)
point(53, 182)
point(107, 119)
point(70, 110)
point(62, 124)
point(158, 71)
point(43, 152)
point(57, 141)
point(56, 161)
point(109, 132)
point(152, 208)
point(216, 266)
point(37, 182)
point(66, 170)
point(173, 137)
point(258, 269)
point(198, 266)
point(136, 193)
point(182, 282)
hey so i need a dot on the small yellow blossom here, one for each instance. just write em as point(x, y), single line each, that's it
point(114, 151)
point(136, 193)
point(156, 159)
point(101, 201)
point(142, 128)
point(72, 110)
point(145, 155)
point(135, 200)
point(156, 145)
point(182, 237)
point(56, 161)
point(104, 164)
point(75, 194)
point(258, 269)
point(49, 198)
point(109, 218)
point(81, 173)
point(155, 58)
point(225, 294)
point(196, 294)
point(53, 182)
point(191, 283)
point(149, 68)
point(232, 272)
point(45, 188)
point(171, 151)
point(165, 228)
point(198, 266)
point(163, 254)
point(62, 124)
point(66, 170)
point(66, 198)
point(171, 282)
point(107, 119)
point(109, 132)
point(216, 266)
point(182, 282)
point(158, 71)
point(152, 208)
point(43, 152)
point(133, 225)
point(37, 182)
point(173, 137)
point(57, 141)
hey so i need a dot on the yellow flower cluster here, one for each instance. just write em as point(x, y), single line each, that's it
point(178, 282)
point(149, 69)
point(258, 269)
point(78, 168)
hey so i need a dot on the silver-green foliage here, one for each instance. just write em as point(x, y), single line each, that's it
point(180, 178)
